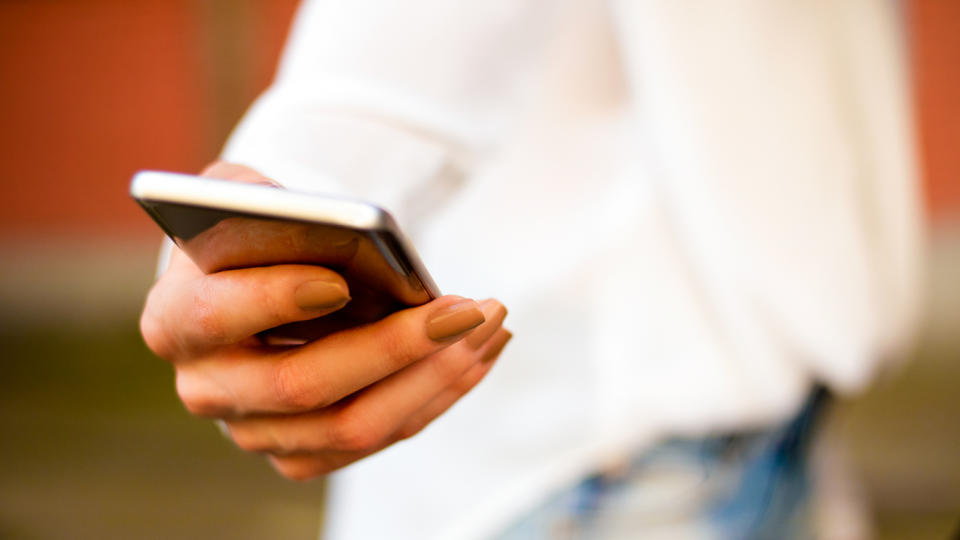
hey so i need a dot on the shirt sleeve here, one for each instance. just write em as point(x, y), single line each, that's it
point(394, 102)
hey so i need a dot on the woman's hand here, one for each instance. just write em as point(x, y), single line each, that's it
point(318, 406)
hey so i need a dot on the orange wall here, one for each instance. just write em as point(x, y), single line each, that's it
point(935, 44)
point(92, 90)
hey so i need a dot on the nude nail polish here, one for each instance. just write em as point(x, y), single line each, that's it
point(453, 320)
point(320, 294)
point(495, 313)
point(495, 351)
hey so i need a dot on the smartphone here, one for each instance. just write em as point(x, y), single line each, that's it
point(223, 225)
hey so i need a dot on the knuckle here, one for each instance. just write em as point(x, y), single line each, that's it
point(155, 337)
point(449, 366)
point(469, 379)
point(397, 346)
point(157, 334)
point(292, 391)
point(354, 432)
point(248, 440)
point(199, 405)
point(205, 319)
point(274, 311)
point(266, 436)
point(197, 398)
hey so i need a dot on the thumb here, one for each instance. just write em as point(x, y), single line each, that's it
point(236, 172)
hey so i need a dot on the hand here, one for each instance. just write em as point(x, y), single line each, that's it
point(319, 406)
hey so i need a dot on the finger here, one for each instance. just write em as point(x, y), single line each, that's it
point(450, 395)
point(301, 466)
point(304, 467)
point(315, 375)
point(190, 312)
point(495, 313)
point(370, 417)
point(237, 173)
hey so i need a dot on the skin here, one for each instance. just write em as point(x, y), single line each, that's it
point(316, 407)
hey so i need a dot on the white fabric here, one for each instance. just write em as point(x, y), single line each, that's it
point(692, 213)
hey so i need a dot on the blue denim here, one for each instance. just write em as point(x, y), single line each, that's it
point(750, 485)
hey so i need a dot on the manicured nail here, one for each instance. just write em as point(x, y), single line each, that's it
point(451, 321)
point(320, 294)
point(495, 313)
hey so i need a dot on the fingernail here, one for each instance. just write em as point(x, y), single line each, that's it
point(495, 351)
point(453, 320)
point(497, 313)
point(320, 294)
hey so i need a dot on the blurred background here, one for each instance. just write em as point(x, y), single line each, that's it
point(94, 441)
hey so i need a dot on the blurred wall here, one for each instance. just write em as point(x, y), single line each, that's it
point(934, 37)
point(93, 90)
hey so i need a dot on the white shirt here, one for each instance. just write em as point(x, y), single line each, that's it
point(691, 212)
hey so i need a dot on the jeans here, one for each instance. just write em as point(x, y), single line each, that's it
point(751, 485)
